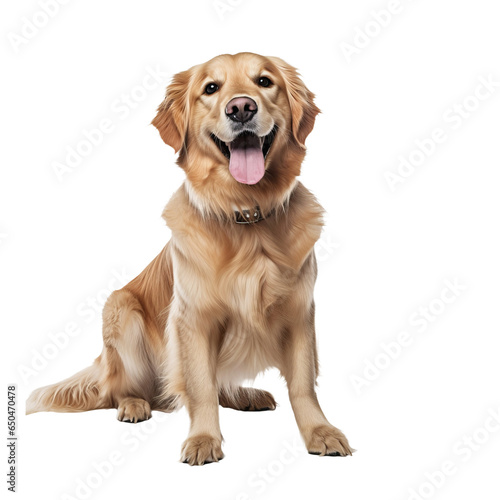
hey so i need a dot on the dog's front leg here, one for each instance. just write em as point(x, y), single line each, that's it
point(300, 371)
point(196, 346)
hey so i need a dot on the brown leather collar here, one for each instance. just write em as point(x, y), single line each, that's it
point(249, 216)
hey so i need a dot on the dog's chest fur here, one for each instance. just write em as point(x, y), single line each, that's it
point(254, 287)
point(253, 280)
point(245, 275)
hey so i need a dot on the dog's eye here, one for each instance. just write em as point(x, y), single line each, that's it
point(211, 88)
point(264, 81)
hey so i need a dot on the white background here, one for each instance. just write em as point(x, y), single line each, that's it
point(383, 253)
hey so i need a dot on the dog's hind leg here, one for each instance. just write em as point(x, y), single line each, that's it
point(246, 399)
point(130, 356)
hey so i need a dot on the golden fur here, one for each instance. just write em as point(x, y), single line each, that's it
point(222, 301)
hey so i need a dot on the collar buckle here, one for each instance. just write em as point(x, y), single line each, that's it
point(248, 216)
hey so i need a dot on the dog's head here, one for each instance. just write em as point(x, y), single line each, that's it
point(240, 117)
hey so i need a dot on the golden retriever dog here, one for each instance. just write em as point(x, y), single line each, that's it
point(231, 294)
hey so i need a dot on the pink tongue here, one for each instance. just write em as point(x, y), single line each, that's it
point(247, 161)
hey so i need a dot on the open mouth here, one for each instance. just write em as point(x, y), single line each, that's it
point(246, 155)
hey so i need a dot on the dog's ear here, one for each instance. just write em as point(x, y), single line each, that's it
point(172, 117)
point(301, 101)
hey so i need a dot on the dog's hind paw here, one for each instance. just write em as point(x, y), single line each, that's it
point(133, 410)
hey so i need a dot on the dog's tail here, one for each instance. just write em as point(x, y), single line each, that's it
point(81, 392)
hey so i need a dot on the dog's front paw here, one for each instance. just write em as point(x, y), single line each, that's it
point(201, 449)
point(327, 440)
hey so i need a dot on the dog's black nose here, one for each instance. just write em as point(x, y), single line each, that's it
point(241, 109)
